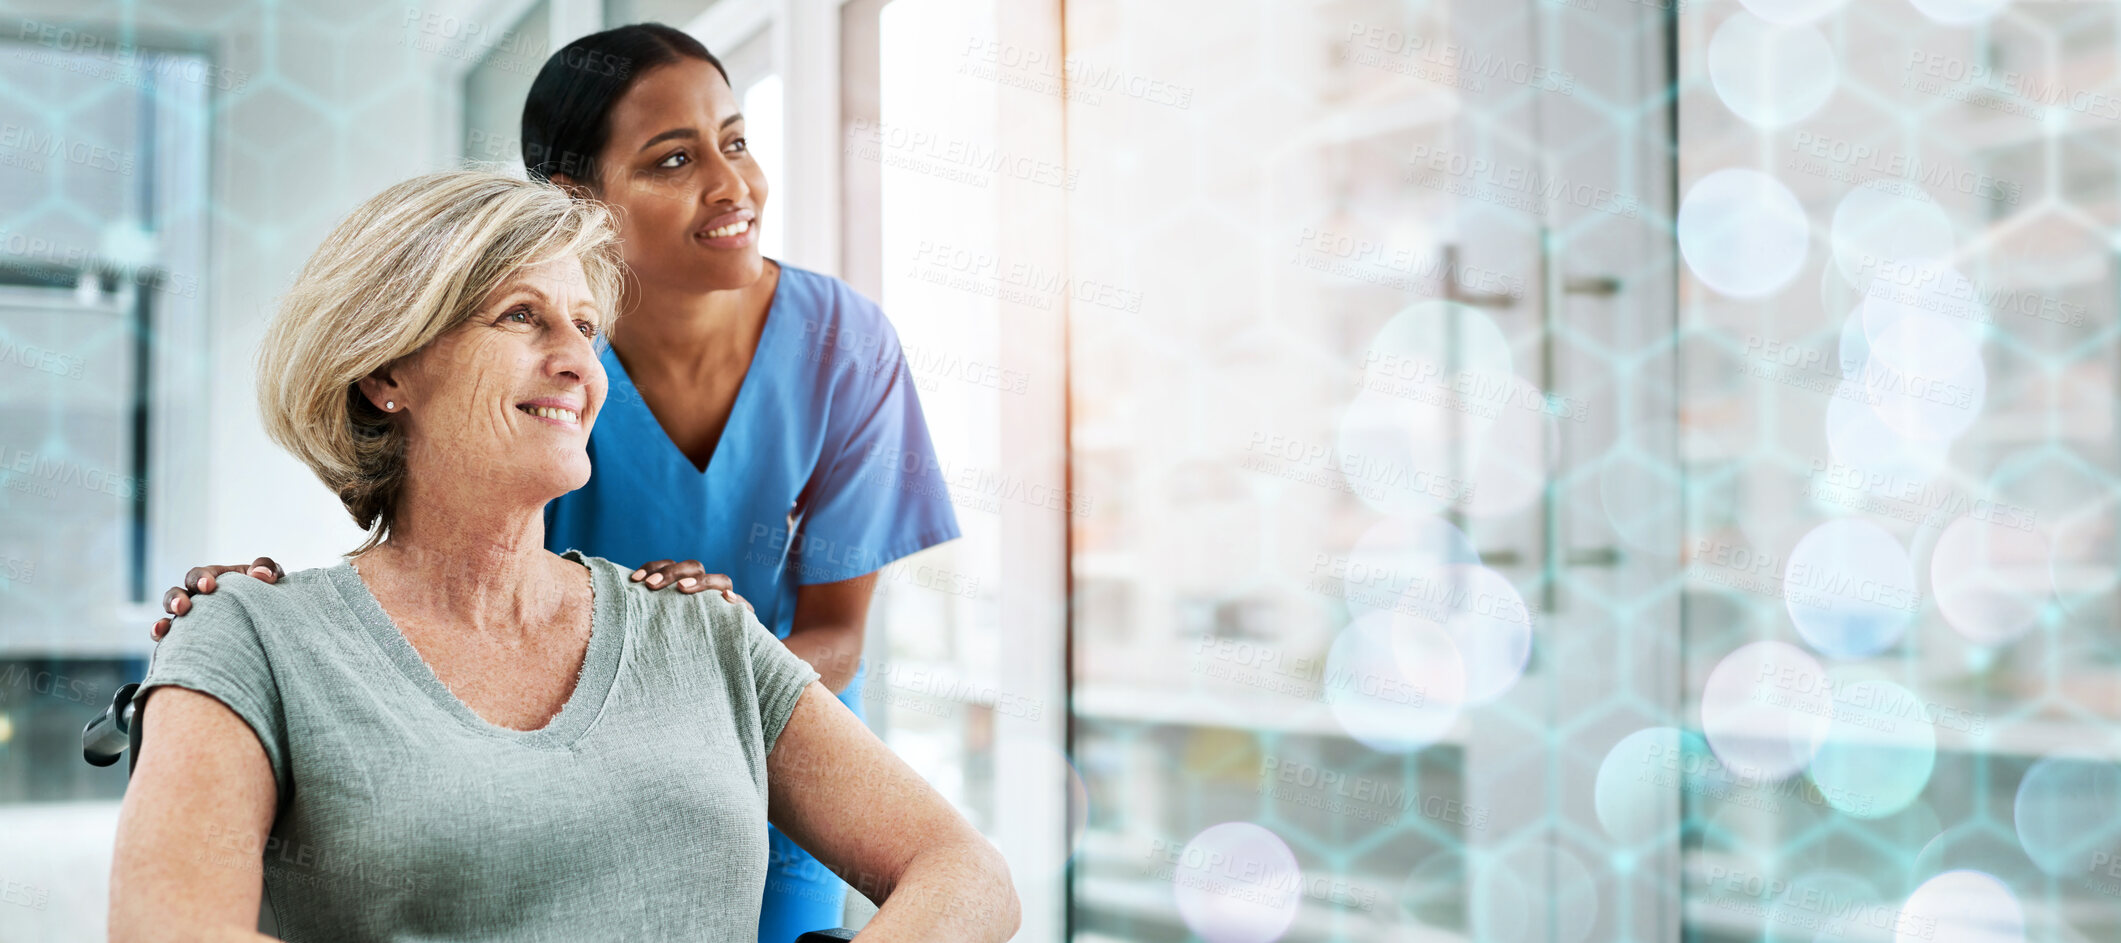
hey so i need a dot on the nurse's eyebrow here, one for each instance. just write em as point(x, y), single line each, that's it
point(687, 134)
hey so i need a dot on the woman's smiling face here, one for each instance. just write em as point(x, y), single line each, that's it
point(507, 399)
point(678, 170)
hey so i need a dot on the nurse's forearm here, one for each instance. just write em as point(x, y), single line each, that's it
point(832, 650)
point(826, 629)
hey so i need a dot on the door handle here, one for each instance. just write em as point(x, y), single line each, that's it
point(1453, 290)
point(1602, 286)
point(1577, 556)
point(1592, 556)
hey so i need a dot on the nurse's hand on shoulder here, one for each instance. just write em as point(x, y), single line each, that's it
point(687, 575)
point(200, 579)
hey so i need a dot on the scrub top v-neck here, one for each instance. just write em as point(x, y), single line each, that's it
point(616, 372)
point(825, 470)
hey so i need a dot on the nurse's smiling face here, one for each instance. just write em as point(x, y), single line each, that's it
point(506, 399)
point(678, 169)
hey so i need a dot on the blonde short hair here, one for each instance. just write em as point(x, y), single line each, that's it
point(406, 267)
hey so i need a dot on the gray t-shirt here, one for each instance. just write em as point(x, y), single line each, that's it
point(638, 813)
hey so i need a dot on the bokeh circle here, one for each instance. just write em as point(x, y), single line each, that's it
point(1237, 883)
point(1772, 75)
point(1850, 589)
point(1742, 232)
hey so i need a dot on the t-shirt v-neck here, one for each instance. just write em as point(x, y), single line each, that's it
point(592, 688)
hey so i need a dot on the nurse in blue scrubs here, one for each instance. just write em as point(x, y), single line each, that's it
point(761, 428)
point(761, 417)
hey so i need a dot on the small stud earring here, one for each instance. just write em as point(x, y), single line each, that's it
point(389, 405)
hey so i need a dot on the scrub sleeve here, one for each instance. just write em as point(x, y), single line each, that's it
point(880, 495)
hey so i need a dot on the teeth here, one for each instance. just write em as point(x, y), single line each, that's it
point(729, 230)
point(553, 412)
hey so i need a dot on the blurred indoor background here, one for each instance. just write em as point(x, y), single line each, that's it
point(1500, 470)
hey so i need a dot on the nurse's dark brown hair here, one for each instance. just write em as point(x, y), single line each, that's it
point(567, 117)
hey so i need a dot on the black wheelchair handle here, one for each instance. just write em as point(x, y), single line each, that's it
point(109, 734)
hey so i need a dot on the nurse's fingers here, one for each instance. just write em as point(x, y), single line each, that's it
point(176, 602)
point(686, 575)
point(199, 580)
point(692, 577)
point(731, 595)
point(714, 581)
point(203, 580)
point(689, 576)
point(650, 573)
point(266, 570)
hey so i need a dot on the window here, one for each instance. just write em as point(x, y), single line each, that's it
point(102, 301)
point(503, 63)
point(966, 645)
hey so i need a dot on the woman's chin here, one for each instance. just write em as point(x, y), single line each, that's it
point(561, 476)
point(575, 477)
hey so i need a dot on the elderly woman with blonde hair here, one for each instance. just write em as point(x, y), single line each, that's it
point(456, 734)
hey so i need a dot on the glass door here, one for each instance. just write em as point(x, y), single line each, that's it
point(952, 189)
point(1361, 416)
point(1898, 358)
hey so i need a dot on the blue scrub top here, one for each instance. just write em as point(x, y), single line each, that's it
point(824, 472)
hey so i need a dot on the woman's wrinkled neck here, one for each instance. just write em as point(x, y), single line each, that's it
point(475, 561)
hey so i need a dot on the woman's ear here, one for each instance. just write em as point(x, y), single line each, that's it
point(383, 391)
